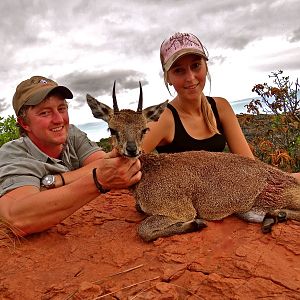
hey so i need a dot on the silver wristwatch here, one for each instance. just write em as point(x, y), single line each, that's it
point(48, 181)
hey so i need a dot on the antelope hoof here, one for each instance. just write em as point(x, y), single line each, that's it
point(281, 217)
point(200, 224)
point(138, 208)
point(267, 224)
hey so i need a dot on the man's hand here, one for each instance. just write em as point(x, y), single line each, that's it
point(117, 172)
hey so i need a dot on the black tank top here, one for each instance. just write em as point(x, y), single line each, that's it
point(184, 142)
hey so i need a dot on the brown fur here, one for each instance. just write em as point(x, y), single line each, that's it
point(178, 190)
point(216, 185)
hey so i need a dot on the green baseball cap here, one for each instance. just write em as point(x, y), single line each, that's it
point(34, 90)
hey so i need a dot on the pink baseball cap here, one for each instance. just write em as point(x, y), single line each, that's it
point(177, 45)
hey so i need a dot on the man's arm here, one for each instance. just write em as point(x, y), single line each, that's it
point(30, 210)
point(109, 162)
point(94, 156)
point(91, 162)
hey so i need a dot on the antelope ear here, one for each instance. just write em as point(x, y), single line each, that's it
point(99, 110)
point(152, 113)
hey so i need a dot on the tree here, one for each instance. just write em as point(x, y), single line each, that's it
point(278, 105)
point(105, 144)
point(8, 129)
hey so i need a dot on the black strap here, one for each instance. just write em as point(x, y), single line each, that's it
point(98, 184)
point(62, 179)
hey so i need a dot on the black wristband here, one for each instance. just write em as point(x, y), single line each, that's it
point(97, 183)
point(62, 179)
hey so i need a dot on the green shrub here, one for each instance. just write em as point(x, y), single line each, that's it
point(279, 105)
point(105, 144)
point(8, 129)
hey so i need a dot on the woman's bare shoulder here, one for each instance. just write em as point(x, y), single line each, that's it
point(221, 101)
point(223, 105)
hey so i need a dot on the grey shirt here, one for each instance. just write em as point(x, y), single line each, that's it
point(23, 163)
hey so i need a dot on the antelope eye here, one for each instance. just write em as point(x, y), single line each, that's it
point(145, 131)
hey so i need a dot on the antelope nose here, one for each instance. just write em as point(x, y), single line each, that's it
point(131, 149)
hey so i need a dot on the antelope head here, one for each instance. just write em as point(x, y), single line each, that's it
point(127, 127)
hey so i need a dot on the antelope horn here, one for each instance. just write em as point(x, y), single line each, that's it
point(140, 105)
point(116, 109)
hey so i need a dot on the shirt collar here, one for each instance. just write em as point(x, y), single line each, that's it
point(37, 153)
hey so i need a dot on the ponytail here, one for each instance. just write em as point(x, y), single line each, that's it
point(208, 115)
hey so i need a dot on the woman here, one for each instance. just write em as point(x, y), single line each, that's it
point(193, 121)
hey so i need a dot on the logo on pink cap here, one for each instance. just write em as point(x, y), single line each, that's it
point(43, 81)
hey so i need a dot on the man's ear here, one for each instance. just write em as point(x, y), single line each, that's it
point(99, 110)
point(23, 123)
point(152, 113)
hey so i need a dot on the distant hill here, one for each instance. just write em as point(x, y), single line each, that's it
point(239, 105)
point(95, 130)
point(98, 129)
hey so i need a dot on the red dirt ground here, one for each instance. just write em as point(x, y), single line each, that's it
point(97, 254)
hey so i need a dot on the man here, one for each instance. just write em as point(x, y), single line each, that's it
point(53, 169)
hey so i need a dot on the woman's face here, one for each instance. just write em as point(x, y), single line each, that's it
point(188, 76)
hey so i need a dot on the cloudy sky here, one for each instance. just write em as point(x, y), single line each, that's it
point(87, 44)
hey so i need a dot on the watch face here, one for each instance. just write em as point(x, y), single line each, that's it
point(48, 181)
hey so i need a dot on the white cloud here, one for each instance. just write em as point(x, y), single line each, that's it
point(87, 44)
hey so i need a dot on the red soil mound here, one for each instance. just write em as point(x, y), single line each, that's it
point(97, 254)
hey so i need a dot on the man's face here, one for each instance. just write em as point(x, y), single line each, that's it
point(47, 123)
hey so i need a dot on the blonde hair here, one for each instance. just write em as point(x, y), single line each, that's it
point(208, 115)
